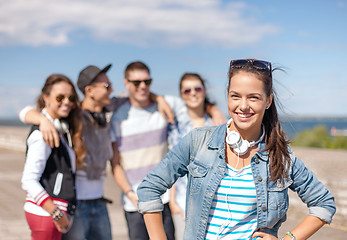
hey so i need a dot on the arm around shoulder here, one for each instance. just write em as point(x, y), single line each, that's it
point(216, 115)
point(30, 115)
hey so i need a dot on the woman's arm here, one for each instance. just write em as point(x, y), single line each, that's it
point(307, 227)
point(37, 155)
point(35, 163)
point(163, 107)
point(312, 192)
point(315, 195)
point(62, 223)
point(303, 231)
point(154, 225)
point(216, 115)
point(30, 115)
point(161, 178)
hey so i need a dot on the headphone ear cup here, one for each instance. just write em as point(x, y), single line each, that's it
point(57, 125)
point(61, 126)
point(233, 139)
point(64, 126)
point(243, 148)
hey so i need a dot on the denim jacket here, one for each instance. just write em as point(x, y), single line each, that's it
point(201, 155)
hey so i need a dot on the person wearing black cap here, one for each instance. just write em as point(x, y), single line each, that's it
point(92, 220)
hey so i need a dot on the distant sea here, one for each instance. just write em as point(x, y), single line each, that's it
point(294, 125)
point(291, 125)
point(11, 122)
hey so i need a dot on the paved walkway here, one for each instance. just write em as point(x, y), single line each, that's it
point(14, 227)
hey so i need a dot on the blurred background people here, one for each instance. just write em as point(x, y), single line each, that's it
point(91, 219)
point(139, 135)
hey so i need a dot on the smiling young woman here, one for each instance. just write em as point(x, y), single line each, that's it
point(238, 173)
point(48, 175)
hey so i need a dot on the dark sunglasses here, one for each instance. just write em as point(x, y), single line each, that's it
point(258, 64)
point(61, 98)
point(138, 82)
point(187, 91)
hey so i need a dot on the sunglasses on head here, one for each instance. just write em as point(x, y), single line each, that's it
point(138, 82)
point(187, 91)
point(61, 98)
point(258, 64)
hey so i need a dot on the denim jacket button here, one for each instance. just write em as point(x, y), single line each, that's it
point(256, 160)
point(263, 208)
point(260, 178)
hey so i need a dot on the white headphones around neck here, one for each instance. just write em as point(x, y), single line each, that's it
point(239, 145)
point(63, 128)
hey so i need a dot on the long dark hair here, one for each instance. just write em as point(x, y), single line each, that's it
point(74, 119)
point(207, 101)
point(275, 138)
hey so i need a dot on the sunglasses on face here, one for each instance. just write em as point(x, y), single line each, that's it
point(138, 82)
point(187, 91)
point(258, 64)
point(61, 98)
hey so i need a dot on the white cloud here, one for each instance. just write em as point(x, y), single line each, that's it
point(159, 22)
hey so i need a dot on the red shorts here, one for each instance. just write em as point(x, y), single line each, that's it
point(42, 227)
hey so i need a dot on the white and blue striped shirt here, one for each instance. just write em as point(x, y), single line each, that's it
point(233, 213)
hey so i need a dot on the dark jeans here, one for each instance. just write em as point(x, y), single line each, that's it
point(91, 221)
point(137, 228)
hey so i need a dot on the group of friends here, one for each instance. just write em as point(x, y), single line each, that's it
point(184, 171)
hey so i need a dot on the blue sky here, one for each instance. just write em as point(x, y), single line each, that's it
point(306, 38)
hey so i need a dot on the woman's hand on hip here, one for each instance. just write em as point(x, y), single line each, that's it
point(63, 223)
point(263, 236)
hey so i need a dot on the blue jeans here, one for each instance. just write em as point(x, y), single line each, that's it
point(90, 222)
point(137, 228)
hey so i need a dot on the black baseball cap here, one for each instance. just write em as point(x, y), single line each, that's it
point(89, 74)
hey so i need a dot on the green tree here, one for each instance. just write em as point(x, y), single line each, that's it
point(319, 137)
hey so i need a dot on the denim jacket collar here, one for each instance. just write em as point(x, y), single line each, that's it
point(215, 140)
point(218, 143)
point(263, 155)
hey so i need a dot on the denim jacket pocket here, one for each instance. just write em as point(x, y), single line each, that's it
point(198, 171)
point(278, 197)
